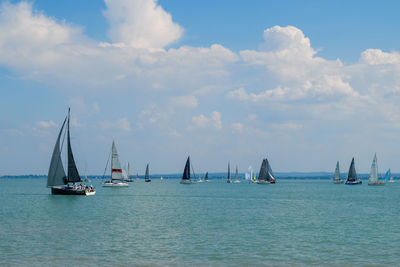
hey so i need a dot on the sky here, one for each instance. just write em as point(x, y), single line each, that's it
point(303, 83)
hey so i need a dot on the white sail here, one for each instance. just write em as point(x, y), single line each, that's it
point(116, 170)
point(373, 175)
point(336, 177)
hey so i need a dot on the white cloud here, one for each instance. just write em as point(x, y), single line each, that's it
point(141, 24)
point(46, 124)
point(238, 127)
point(214, 121)
point(122, 124)
point(377, 57)
point(189, 101)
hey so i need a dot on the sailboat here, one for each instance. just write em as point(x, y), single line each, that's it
point(146, 176)
point(249, 175)
point(137, 176)
point(118, 177)
point(236, 176)
point(388, 177)
point(373, 175)
point(336, 176)
point(266, 175)
point(60, 183)
point(229, 174)
point(128, 179)
point(352, 175)
point(186, 173)
point(206, 178)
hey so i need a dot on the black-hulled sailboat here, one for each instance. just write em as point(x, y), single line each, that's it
point(336, 176)
point(186, 173)
point(228, 180)
point(118, 177)
point(206, 178)
point(266, 176)
point(147, 176)
point(352, 175)
point(60, 183)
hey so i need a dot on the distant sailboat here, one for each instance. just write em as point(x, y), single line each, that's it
point(236, 176)
point(266, 175)
point(137, 176)
point(56, 178)
point(373, 175)
point(206, 178)
point(118, 177)
point(249, 175)
point(186, 173)
point(229, 174)
point(147, 176)
point(128, 179)
point(388, 177)
point(352, 175)
point(336, 177)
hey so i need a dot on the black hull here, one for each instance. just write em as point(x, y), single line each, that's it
point(147, 181)
point(70, 191)
point(353, 182)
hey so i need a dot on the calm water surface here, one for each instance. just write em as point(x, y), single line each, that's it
point(291, 223)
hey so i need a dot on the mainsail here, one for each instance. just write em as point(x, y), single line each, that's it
point(116, 170)
point(236, 174)
point(56, 175)
point(186, 171)
point(266, 173)
point(206, 177)
point(336, 177)
point(147, 176)
point(388, 176)
point(352, 175)
point(73, 174)
point(373, 175)
point(229, 171)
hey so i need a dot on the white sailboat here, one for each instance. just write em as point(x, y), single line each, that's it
point(236, 176)
point(57, 180)
point(117, 175)
point(373, 175)
point(336, 176)
point(128, 178)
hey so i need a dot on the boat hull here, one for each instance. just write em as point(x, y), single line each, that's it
point(353, 182)
point(236, 181)
point(147, 181)
point(186, 182)
point(377, 184)
point(265, 182)
point(338, 182)
point(114, 184)
point(70, 191)
point(129, 180)
point(228, 181)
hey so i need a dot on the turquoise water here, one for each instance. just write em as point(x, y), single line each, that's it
point(291, 223)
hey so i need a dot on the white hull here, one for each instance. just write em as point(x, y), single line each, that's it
point(186, 182)
point(390, 181)
point(236, 181)
point(115, 184)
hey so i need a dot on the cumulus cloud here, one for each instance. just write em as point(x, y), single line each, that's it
point(214, 121)
point(122, 124)
point(378, 57)
point(189, 101)
point(141, 24)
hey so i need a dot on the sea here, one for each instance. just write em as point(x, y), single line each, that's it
point(164, 223)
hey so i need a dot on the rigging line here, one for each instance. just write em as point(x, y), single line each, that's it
point(194, 174)
point(105, 169)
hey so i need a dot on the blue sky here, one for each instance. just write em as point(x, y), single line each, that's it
point(305, 83)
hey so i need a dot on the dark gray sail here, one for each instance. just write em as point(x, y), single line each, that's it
point(352, 175)
point(206, 177)
point(73, 174)
point(229, 171)
point(186, 171)
point(56, 175)
point(147, 176)
point(266, 173)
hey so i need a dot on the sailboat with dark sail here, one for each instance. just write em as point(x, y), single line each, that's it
point(228, 180)
point(236, 176)
point(373, 175)
point(336, 176)
point(118, 177)
point(57, 180)
point(147, 176)
point(266, 175)
point(352, 175)
point(186, 173)
point(206, 178)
